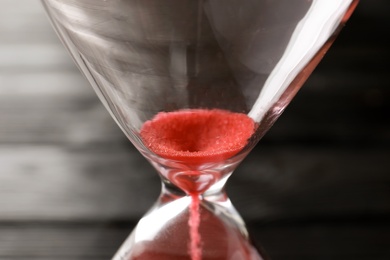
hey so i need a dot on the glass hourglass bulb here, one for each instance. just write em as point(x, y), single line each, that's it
point(194, 85)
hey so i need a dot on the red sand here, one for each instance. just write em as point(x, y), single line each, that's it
point(194, 222)
point(194, 137)
point(197, 135)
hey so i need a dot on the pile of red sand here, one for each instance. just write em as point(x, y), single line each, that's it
point(197, 135)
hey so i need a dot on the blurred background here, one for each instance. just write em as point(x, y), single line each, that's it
point(73, 187)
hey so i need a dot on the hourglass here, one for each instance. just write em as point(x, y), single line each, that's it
point(194, 85)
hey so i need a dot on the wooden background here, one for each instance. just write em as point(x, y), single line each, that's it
point(72, 187)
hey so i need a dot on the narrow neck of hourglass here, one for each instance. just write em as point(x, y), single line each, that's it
point(214, 200)
point(203, 180)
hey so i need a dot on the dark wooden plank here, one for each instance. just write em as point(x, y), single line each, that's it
point(55, 119)
point(34, 107)
point(100, 241)
point(24, 22)
point(283, 183)
point(27, 41)
point(322, 241)
point(71, 183)
point(60, 242)
point(26, 57)
point(115, 182)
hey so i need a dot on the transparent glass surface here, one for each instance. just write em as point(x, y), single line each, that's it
point(145, 57)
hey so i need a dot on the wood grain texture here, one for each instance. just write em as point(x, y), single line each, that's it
point(77, 242)
point(72, 187)
point(100, 183)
